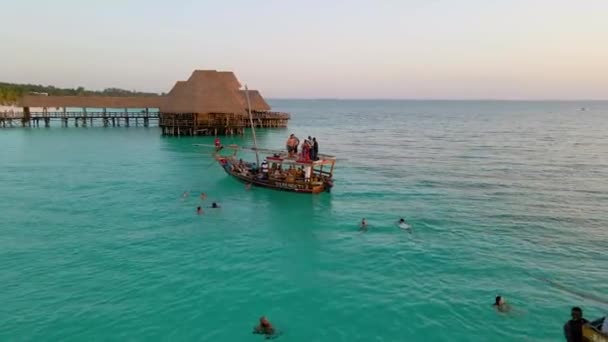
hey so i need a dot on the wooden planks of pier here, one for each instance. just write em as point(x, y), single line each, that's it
point(82, 118)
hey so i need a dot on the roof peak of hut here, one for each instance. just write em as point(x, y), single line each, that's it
point(206, 91)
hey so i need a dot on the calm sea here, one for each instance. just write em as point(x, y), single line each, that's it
point(504, 198)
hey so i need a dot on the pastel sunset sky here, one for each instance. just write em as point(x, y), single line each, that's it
point(423, 49)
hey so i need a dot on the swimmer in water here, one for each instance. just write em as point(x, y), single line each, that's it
point(203, 196)
point(248, 186)
point(199, 210)
point(402, 221)
point(215, 205)
point(264, 327)
point(501, 304)
point(403, 225)
point(363, 224)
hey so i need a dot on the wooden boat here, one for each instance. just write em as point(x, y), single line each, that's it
point(294, 173)
point(593, 333)
point(284, 173)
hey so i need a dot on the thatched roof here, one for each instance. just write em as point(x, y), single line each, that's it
point(92, 101)
point(206, 91)
point(230, 78)
point(258, 104)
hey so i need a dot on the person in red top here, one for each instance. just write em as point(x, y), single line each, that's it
point(264, 327)
point(305, 151)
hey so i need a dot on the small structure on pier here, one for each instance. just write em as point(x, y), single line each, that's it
point(210, 102)
point(206, 104)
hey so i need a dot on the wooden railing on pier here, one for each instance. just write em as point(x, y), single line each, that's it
point(29, 119)
point(170, 124)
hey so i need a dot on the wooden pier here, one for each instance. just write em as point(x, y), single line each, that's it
point(170, 124)
point(210, 102)
point(82, 118)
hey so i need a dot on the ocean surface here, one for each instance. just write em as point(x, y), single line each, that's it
point(504, 197)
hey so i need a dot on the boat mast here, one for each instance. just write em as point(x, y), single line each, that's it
point(255, 143)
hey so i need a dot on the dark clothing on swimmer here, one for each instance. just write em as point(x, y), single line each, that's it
point(573, 329)
point(215, 205)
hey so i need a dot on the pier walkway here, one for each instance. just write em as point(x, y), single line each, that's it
point(79, 118)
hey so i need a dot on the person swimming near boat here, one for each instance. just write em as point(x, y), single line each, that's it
point(264, 328)
point(402, 224)
point(501, 304)
point(573, 329)
point(215, 205)
point(199, 210)
point(363, 224)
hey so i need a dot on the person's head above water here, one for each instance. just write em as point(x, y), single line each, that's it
point(214, 205)
point(499, 301)
point(576, 313)
point(401, 220)
point(265, 323)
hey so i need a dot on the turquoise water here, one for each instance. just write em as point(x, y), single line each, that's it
point(96, 243)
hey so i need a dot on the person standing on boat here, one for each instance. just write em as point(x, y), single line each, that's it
point(306, 151)
point(573, 329)
point(296, 144)
point(265, 169)
point(315, 149)
point(218, 144)
point(292, 145)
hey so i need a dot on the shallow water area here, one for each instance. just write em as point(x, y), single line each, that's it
point(503, 197)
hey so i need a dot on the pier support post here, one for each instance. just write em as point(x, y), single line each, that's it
point(104, 119)
point(84, 117)
point(126, 117)
point(25, 120)
point(76, 122)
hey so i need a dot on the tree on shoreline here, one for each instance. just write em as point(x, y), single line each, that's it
point(10, 93)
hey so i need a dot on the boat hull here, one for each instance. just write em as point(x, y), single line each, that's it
point(274, 184)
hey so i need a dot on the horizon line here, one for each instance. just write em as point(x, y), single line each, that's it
point(433, 99)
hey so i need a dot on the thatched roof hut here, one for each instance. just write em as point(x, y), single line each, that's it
point(206, 91)
point(258, 104)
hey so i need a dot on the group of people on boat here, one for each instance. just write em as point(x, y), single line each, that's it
point(309, 148)
point(272, 171)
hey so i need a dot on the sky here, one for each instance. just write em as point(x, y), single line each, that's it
point(407, 49)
